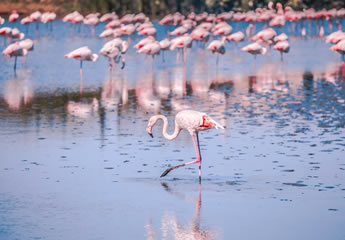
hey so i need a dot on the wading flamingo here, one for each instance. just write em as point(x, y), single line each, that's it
point(193, 122)
point(82, 54)
point(15, 50)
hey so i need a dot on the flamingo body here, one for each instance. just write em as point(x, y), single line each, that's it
point(254, 48)
point(82, 54)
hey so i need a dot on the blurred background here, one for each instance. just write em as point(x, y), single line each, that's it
point(155, 8)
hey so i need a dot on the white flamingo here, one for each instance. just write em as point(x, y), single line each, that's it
point(193, 122)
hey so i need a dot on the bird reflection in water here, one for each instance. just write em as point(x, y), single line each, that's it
point(18, 91)
point(171, 228)
point(146, 97)
point(269, 77)
point(82, 109)
point(114, 91)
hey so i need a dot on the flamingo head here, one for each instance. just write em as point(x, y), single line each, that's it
point(150, 125)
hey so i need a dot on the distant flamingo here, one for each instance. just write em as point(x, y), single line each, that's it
point(193, 122)
point(82, 54)
point(255, 49)
point(340, 48)
point(282, 47)
point(114, 50)
point(236, 37)
point(181, 42)
point(27, 44)
point(151, 48)
point(15, 50)
point(218, 47)
point(13, 17)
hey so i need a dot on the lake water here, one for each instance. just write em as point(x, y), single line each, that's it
point(77, 163)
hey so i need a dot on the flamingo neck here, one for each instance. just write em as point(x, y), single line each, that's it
point(165, 128)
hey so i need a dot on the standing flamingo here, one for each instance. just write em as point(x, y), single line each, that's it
point(15, 50)
point(82, 54)
point(193, 122)
point(282, 47)
point(217, 46)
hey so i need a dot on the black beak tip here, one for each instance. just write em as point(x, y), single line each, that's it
point(151, 135)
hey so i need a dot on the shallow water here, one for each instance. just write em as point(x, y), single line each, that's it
point(79, 164)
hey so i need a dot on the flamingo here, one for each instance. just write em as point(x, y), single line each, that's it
point(164, 44)
point(2, 20)
point(13, 17)
point(282, 47)
point(217, 46)
point(144, 41)
point(236, 37)
point(182, 42)
point(255, 49)
point(15, 50)
point(82, 54)
point(179, 31)
point(193, 122)
point(115, 49)
point(27, 44)
point(113, 24)
point(108, 17)
point(340, 48)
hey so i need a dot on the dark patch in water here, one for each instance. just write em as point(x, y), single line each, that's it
point(332, 209)
point(288, 170)
point(296, 184)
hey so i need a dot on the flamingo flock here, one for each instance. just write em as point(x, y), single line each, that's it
point(214, 33)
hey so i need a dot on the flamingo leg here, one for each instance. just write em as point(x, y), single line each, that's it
point(81, 78)
point(198, 154)
point(15, 63)
point(198, 160)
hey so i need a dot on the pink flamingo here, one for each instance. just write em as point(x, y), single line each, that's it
point(149, 31)
point(254, 48)
point(236, 37)
point(217, 46)
point(144, 41)
point(108, 17)
point(179, 31)
point(340, 48)
point(193, 122)
point(13, 17)
point(114, 50)
point(113, 24)
point(15, 50)
point(82, 54)
point(181, 42)
point(282, 47)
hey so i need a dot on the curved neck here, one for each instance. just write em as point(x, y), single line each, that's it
point(165, 128)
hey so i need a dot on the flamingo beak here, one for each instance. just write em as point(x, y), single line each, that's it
point(151, 135)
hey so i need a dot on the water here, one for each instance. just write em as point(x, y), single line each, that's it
point(81, 166)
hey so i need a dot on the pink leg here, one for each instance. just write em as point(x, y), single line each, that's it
point(198, 160)
point(81, 78)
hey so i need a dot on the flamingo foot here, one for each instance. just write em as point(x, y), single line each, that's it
point(166, 172)
point(172, 168)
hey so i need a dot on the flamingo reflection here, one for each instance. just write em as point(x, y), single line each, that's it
point(114, 92)
point(82, 109)
point(18, 92)
point(171, 227)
